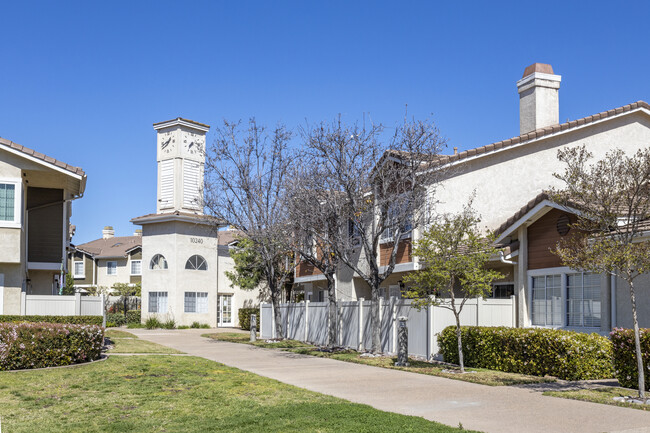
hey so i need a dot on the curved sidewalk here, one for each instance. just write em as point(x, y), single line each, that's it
point(478, 407)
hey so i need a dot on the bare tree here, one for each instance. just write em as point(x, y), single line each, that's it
point(246, 169)
point(379, 187)
point(316, 222)
point(612, 197)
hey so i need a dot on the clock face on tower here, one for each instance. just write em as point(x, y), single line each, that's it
point(167, 143)
point(193, 143)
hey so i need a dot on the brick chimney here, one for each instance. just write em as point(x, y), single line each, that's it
point(108, 232)
point(538, 98)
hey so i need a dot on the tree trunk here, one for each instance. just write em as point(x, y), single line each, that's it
point(461, 362)
point(276, 312)
point(637, 344)
point(374, 322)
point(333, 313)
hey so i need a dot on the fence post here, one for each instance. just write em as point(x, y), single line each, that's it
point(514, 311)
point(478, 311)
point(23, 303)
point(102, 300)
point(431, 332)
point(77, 304)
point(273, 333)
point(360, 348)
point(306, 320)
point(339, 309)
point(393, 319)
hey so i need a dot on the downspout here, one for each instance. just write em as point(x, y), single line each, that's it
point(502, 259)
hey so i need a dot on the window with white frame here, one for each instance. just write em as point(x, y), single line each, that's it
point(197, 263)
point(583, 300)
point(136, 267)
point(9, 202)
point(78, 269)
point(158, 262)
point(157, 302)
point(405, 226)
point(570, 299)
point(547, 300)
point(111, 268)
point(196, 302)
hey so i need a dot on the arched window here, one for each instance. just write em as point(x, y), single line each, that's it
point(158, 262)
point(196, 262)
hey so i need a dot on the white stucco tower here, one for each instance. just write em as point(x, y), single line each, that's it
point(181, 162)
point(539, 104)
point(184, 254)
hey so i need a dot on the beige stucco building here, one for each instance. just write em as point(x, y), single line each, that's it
point(106, 261)
point(36, 192)
point(506, 179)
point(185, 253)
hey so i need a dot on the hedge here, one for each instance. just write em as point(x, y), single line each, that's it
point(115, 319)
point(625, 365)
point(564, 354)
point(133, 316)
point(245, 318)
point(37, 345)
point(75, 320)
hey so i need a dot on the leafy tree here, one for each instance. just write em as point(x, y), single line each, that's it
point(125, 290)
point(454, 255)
point(68, 288)
point(249, 269)
point(612, 199)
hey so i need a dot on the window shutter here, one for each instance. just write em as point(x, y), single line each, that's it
point(167, 183)
point(191, 174)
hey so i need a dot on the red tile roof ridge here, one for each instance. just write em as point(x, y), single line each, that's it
point(27, 151)
point(541, 132)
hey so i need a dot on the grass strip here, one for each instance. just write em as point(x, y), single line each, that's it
point(125, 342)
point(601, 395)
point(477, 375)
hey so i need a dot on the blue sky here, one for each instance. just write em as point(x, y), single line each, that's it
point(84, 81)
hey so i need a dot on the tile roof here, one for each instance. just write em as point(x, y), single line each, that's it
point(112, 247)
point(45, 158)
point(539, 133)
point(227, 236)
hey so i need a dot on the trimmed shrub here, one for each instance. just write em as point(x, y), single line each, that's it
point(133, 316)
point(168, 324)
point(113, 320)
point(624, 349)
point(75, 320)
point(37, 345)
point(245, 318)
point(197, 325)
point(564, 354)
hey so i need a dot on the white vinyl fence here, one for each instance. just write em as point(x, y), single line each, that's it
point(56, 305)
point(307, 321)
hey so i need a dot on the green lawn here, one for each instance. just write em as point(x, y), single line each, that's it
point(125, 342)
point(601, 395)
point(477, 375)
point(179, 394)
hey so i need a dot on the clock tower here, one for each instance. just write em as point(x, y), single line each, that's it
point(181, 162)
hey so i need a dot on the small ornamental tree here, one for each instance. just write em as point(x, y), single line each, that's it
point(68, 288)
point(453, 254)
point(248, 266)
point(612, 199)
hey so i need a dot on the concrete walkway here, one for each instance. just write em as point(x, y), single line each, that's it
point(478, 407)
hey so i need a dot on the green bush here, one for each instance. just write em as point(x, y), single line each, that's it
point(152, 323)
point(74, 320)
point(133, 316)
point(245, 318)
point(625, 366)
point(564, 354)
point(135, 325)
point(197, 325)
point(183, 327)
point(168, 324)
point(37, 345)
point(113, 320)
